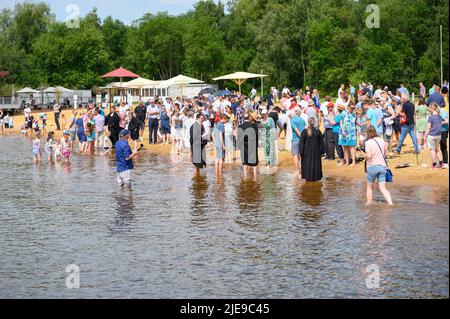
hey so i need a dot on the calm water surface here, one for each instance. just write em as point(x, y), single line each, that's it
point(177, 236)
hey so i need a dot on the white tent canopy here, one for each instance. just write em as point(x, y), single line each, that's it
point(239, 77)
point(27, 90)
point(182, 79)
point(138, 83)
point(62, 89)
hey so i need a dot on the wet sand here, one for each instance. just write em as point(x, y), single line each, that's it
point(419, 172)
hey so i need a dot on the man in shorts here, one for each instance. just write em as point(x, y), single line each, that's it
point(124, 159)
point(298, 124)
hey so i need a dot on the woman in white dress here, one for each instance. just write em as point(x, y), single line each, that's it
point(290, 115)
point(229, 147)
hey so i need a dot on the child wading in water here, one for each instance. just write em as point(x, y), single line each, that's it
point(66, 145)
point(50, 145)
point(37, 148)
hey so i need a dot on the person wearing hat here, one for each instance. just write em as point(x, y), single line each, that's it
point(124, 158)
point(328, 134)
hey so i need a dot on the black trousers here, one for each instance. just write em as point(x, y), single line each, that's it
point(338, 147)
point(114, 137)
point(444, 137)
point(58, 128)
point(329, 143)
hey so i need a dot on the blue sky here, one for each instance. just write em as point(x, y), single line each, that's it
point(124, 10)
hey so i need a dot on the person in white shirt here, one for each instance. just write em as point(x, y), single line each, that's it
point(286, 91)
point(225, 103)
point(217, 105)
point(27, 112)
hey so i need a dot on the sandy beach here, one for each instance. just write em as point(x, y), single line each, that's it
point(419, 172)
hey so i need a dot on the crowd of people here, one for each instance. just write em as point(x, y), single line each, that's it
point(365, 124)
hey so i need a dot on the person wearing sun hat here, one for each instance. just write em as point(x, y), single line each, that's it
point(124, 158)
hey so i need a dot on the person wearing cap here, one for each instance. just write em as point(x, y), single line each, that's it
point(269, 136)
point(124, 158)
point(328, 134)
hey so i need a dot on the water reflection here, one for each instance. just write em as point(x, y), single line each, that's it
point(124, 213)
point(311, 193)
point(199, 190)
point(249, 195)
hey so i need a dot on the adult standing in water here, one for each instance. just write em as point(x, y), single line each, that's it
point(113, 125)
point(198, 141)
point(298, 125)
point(375, 156)
point(248, 143)
point(124, 159)
point(311, 149)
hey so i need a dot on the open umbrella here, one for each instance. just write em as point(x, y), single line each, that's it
point(239, 77)
point(223, 93)
point(207, 91)
point(27, 90)
point(119, 73)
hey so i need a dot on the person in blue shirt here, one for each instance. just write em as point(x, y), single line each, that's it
point(444, 137)
point(298, 124)
point(375, 116)
point(124, 159)
point(335, 120)
point(436, 97)
point(219, 143)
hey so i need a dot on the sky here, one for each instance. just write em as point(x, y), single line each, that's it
point(124, 10)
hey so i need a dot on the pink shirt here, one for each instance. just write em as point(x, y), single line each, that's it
point(376, 157)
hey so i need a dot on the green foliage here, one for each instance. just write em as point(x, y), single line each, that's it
point(295, 42)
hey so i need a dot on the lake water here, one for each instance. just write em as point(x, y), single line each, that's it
point(179, 236)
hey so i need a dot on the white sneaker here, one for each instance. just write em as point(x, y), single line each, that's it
point(445, 166)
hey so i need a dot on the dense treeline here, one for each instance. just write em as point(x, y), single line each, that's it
point(296, 42)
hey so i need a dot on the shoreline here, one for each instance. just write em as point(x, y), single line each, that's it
point(421, 174)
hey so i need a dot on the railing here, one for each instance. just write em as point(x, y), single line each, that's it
point(8, 103)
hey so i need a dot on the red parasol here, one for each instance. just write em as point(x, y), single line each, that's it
point(4, 74)
point(120, 73)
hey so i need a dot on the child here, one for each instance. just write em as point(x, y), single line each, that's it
point(433, 135)
point(37, 148)
point(50, 146)
point(90, 134)
point(106, 143)
point(43, 118)
point(66, 146)
point(58, 151)
point(421, 112)
point(24, 129)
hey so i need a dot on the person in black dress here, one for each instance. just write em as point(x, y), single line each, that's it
point(311, 150)
point(198, 140)
point(113, 126)
point(134, 127)
point(249, 149)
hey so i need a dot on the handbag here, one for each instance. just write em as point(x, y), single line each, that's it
point(403, 120)
point(389, 175)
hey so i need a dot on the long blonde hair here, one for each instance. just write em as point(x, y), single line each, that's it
point(435, 107)
point(311, 126)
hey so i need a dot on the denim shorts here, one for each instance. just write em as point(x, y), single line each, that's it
point(295, 149)
point(376, 172)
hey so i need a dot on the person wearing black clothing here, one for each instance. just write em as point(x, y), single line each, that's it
point(113, 125)
point(248, 144)
point(134, 127)
point(408, 110)
point(312, 148)
point(198, 141)
point(57, 111)
point(140, 112)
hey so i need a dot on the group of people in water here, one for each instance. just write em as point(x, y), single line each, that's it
point(359, 125)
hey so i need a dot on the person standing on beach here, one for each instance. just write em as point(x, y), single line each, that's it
point(433, 135)
point(140, 112)
point(408, 111)
point(124, 159)
point(57, 111)
point(153, 122)
point(219, 143)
